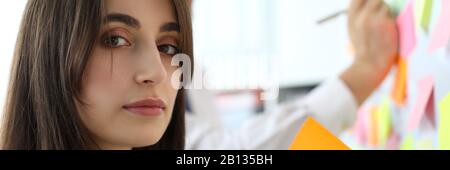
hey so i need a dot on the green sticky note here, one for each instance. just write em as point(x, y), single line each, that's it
point(408, 143)
point(396, 5)
point(444, 123)
point(422, 14)
point(383, 122)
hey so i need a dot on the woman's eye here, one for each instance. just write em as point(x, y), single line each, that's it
point(115, 41)
point(168, 49)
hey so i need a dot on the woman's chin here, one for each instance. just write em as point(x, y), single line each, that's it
point(145, 141)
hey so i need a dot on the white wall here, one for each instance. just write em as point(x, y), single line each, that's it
point(282, 32)
point(10, 16)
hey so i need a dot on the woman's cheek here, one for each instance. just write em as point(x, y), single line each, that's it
point(105, 83)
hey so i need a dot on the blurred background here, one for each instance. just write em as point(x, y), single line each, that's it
point(10, 15)
point(242, 45)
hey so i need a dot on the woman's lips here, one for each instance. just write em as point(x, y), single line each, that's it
point(147, 107)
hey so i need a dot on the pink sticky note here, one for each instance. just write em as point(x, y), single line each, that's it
point(441, 33)
point(448, 48)
point(393, 142)
point(406, 27)
point(424, 102)
point(360, 125)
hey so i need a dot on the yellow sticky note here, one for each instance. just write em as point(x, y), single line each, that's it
point(383, 119)
point(408, 143)
point(425, 144)
point(444, 123)
point(422, 14)
point(313, 136)
point(399, 90)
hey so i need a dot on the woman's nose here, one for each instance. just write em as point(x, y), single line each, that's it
point(150, 69)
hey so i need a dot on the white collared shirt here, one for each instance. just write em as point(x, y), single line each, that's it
point(332, 104)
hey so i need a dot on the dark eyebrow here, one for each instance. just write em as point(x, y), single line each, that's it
point(169, 27)
point(132, 22)
point(123, 18)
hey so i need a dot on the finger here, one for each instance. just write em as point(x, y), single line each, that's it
point(373, 6)
point(356, 6)
point(370, 9)
point(385, 11)
point(355, 9)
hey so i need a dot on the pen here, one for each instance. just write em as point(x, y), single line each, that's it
point(332, 16)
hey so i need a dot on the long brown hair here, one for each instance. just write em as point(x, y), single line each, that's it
point(55, 41)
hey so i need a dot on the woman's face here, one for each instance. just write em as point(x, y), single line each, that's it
point(126, 85)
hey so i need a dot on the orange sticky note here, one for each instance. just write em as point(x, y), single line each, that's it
point(373, 127)
point(313, 136)
point(399, 90)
